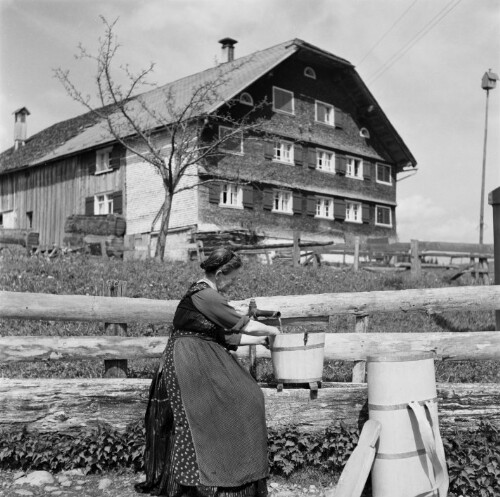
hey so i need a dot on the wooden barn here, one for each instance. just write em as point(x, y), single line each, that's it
point(326, 163)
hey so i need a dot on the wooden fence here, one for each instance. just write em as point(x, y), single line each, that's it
point(55, 405)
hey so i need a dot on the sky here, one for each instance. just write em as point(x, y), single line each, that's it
point(423, 61)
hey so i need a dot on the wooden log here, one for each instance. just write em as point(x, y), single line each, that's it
point(25, 237)
point(115, 368)
point(359, 370)
point(41, 306)
point(476, 346)
point(54, 405)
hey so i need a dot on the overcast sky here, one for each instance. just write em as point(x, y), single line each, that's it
point(423, 60)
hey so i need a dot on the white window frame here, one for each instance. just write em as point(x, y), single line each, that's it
point(104, 200)
point(353, 212)
point(350, 169)
point(277, 88)
point(221, 136)
point(323, 163)
point(330, 113)
point(324, 207)
point(246, 99)
point(377, 207)
point(102, 160)
point(390, 174)
point(282, 202)
point(283, 151)
point(231, 195)
point(309, 72)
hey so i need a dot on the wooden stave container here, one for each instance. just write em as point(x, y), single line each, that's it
point(296, 362)
point(401, 467)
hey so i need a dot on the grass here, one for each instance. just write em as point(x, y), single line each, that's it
point(86, 275)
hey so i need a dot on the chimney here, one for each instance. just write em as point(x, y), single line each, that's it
point(20, 126)
point(227, 49)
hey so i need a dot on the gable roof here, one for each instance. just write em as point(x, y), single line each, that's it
point(88, 130)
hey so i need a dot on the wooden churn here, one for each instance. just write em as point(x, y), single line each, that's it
point(402, 397)
point(298, 358)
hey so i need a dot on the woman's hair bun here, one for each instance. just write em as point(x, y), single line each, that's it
point(221, 258)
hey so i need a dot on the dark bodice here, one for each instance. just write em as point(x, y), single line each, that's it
point(189, 321)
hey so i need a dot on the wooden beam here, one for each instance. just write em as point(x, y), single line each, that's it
point(476, 345)
point(52, 405)
point(41, 306)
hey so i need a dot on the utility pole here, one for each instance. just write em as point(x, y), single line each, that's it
point(488, 82)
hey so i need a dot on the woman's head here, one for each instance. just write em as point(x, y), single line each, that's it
point(223, 264)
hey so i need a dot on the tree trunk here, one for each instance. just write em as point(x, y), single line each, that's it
point(165, 220)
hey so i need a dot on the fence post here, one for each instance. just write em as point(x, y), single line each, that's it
point(416, 266)
point(296, 249)
point(115, 368)
point(494, 201)
point(359, 369)
point(356, 253)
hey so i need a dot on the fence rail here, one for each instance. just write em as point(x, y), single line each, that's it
point(59, 405)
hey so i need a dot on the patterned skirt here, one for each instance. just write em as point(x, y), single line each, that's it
point(205, 425)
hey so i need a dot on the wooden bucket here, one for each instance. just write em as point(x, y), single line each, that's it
point(298, 357)
point(410, 459)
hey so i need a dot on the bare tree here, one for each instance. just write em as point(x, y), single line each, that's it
point(140, 122)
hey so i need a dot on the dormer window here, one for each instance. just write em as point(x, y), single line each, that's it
point(246, 98)
point(309, 72)
point(102, 163)
point(363, 132)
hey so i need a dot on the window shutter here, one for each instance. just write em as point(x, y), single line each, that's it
point(366, 213)
point(312, 158)
point(297, 154)
point(338, 208)
point(297, 203)
point(268, 150)
point(340, 164)
point(88, 161)
point(320, 113)
point(339, 118)
point(367, 170)
point(116, 156)
point(311, 206)
point(118, 202)
point(214, 193)
point(248, 196)
point(89, 206)
point(268, 199)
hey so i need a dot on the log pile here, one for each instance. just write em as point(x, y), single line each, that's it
point(23, 237)
point(98, 235)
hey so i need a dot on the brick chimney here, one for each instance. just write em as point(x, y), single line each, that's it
point(20, 127)
point(227, 49)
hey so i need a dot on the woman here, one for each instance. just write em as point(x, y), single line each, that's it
point(205, 421)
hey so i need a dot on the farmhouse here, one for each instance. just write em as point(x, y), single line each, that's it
point(325, 162)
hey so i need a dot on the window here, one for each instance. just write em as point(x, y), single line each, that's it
point(29, 219)
point(310, 73)
point(282, 201)
point(325, 113)
point(324, 207)
point(231, 195)
point(1, 220)
point(103, 204)
point(283, 101)
point(325, 161)
point(364, 133)
point(102, 161)
point(8, 219)
point(232, 144)
point(283, 151)
point(354, 168)
point(383, 216)
point(384, 174)
point(246, 98)
point(353, 212)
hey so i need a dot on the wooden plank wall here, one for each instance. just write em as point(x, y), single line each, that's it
point(53, 193)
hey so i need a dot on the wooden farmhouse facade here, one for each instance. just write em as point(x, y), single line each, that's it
point(324, 161)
